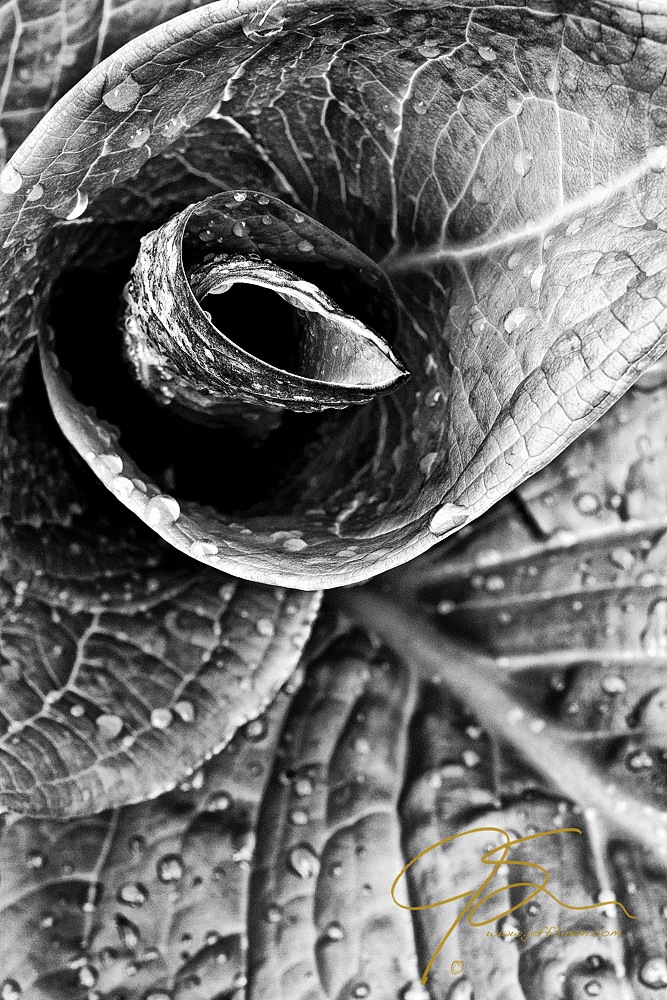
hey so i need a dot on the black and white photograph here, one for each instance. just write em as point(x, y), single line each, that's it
point(333, 500)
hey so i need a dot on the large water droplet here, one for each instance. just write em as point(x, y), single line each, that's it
point(123, 96)
point(587, 503)
point(185, 710)
point(162, 510)
point(654, 973)
point(303, 861)
point(203, 547)
point(219, 802)
point(334, 931)
point(240, 229)
point(132, 894)
point(294, 544)
point(613, 684)
point(10, 182)
point(87, 976)
point(139, 137)
point(255, 730)
point(161, 718)
point(304, 246)
point(515, 318)
point(170, 868)
point(487, 53)
point(109, 726)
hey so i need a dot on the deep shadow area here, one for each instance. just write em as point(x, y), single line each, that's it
point(259, 321)
point(211, 465)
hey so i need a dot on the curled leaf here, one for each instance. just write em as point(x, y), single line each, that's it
point(449, 145)
point(329, 358)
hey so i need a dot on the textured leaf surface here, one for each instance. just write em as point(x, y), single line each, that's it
point(476, 150)
point(148, 897)
point(123, 665)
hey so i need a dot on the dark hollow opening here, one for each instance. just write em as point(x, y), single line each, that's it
point(259, 321)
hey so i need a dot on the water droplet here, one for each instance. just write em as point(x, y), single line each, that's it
point(122, 487)
point(297, 218)
point(536, 277)
point(10, 182)
point(162, 510)
point(127, 931)
point(109, 726)
point(487, 53)
point(640, 761)
point(219, 802)
point(294, 544)
point(274, 913)
point(161, 718)
point(447, 518)
point(587, 503)
point(35, 193)
point(132, 894)
point(170, 868)
point(185, 710)
point(654, 973)
point(255, 730)
point(515, 318)
point(361, 990)
point(509, 929)
point(303, 861)
point(522, 162)
point(446, 607)
point(87, 976)
point(139, 137)
point(514, 105)
point(593, 988)
point(304, 246)
point(299, 817)
point(613, 684)
point(265, 627)
point(107, 465)
point(240, 229)
point(123, 96)
point(173, 127)
point(303, 787)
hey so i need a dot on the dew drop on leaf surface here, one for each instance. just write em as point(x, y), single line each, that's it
point(303, 861)
point(162, 510)
point(132, 894)
point(124, 96)
point(170, 868)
